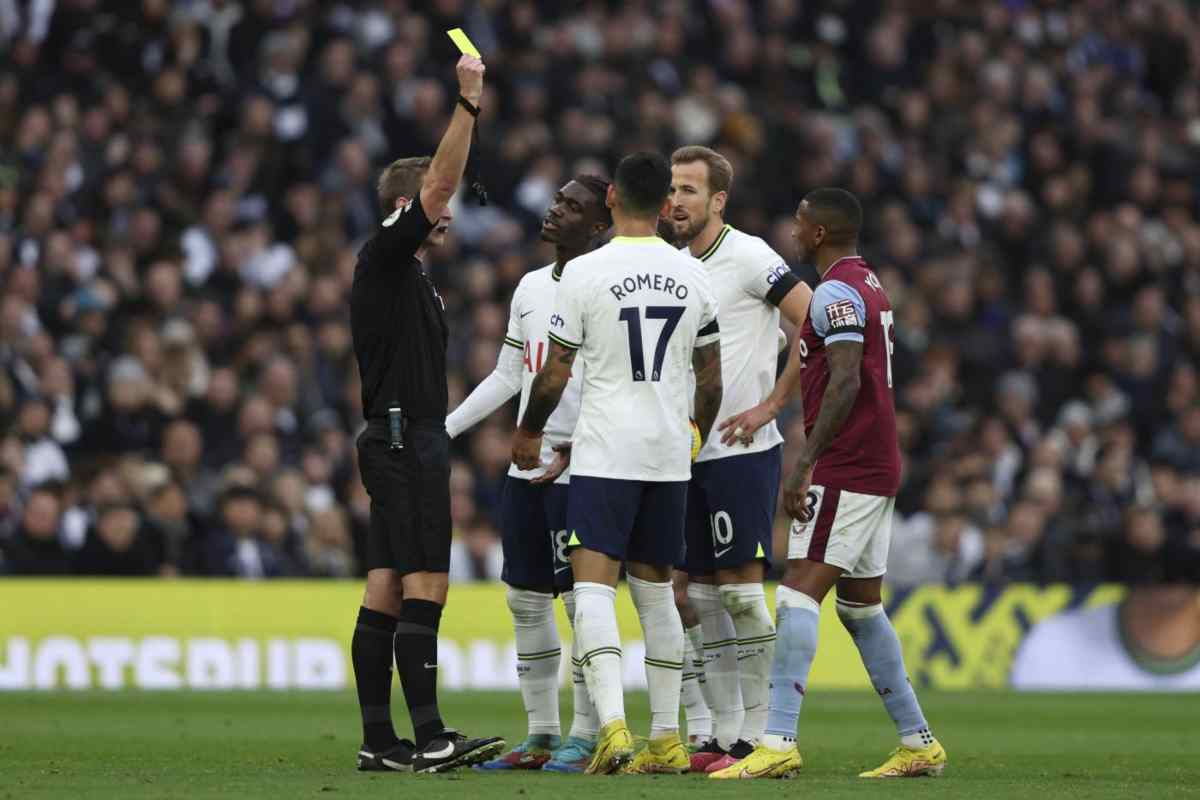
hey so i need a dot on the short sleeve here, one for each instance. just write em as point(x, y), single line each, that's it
point(838, 312)
point(710, 330)
point(766, 275)
point(566, 326)
point(512, 336)
point(403, 231)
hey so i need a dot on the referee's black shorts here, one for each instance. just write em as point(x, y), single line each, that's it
point(410, 497)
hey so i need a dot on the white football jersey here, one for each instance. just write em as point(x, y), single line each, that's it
point(635, 309)
point(528, 321)
point(748, 278)
point(1083, 649)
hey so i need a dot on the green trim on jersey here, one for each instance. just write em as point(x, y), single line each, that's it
point(636, 239)
point(514, 342)
point(712, 248)
point(1150, 663)
point(563, 342)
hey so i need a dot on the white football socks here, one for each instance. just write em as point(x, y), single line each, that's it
point(720, 662)
point(586, 724)
point(538, 652)
point(695, 637)
point(747, 607)
point(600, 643)
point(699, 718)
point(663, 633)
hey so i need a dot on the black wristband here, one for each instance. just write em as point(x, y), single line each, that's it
point(472, 109)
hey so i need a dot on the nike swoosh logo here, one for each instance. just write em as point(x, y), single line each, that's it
point(387, 762)
point(560, 569)
point(431, 666)
point(720, 553)
point(526, 314)
point(443, 753)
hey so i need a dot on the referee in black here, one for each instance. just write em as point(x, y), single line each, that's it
point(398, 322)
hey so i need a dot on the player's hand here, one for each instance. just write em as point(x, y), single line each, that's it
point(795, 491)
point(562, 459)
point(741, 427)
point(470, 78)
point(526, 449)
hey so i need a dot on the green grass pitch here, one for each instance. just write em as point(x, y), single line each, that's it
point(292, 745)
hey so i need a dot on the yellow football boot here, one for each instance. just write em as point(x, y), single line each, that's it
point(763, 763)
point(614, 751)
point(911, 762)
point(664, 755)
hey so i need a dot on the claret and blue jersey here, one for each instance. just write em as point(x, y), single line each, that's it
point(850, 305)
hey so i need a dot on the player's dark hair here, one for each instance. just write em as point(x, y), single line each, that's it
point(598, 187)
point(838, 211)
point(643, 182)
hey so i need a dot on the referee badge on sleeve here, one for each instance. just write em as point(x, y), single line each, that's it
point(395, 215)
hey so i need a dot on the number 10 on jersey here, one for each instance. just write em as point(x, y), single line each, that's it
point(632, 317)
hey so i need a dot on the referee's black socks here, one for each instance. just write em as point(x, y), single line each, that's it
point(371, 652)
point(416, 658)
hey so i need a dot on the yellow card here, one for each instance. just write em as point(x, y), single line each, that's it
point(464, 44)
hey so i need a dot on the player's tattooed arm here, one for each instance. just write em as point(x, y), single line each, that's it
point(544, 394)
point(548, 387)
point(845, 362)
point(706, 363)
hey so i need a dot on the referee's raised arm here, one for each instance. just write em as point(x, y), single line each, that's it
point(446, 169)
point(398, 323)
point(417, 214)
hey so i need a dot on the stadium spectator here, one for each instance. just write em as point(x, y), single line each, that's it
point(937, 545)
point(35, 548)
point(116, 545)
point(475, 553)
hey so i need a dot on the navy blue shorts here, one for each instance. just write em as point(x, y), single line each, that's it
point(731, 511)
point(628, 520)
point(534, 535)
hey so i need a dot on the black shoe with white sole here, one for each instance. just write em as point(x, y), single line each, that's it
point(397, 758)
point(741, 748)
point(451, 750)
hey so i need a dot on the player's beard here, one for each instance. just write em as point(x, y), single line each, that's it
point(695, 225)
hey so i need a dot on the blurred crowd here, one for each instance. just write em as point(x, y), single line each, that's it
point(184, 186)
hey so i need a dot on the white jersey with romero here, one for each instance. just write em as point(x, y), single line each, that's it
point(749, 279)
point(635, 309)
point(528, 322)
